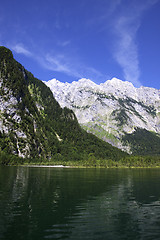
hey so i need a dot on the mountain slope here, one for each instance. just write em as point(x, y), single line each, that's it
point(143, 141)
point(32, 123)
point(111, 110)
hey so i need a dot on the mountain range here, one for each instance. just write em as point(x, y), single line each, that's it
point(33, 125)
point(74, 121)
point(115, 111)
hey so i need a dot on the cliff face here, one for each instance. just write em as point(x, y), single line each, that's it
point(23, 110)
point(112, 110)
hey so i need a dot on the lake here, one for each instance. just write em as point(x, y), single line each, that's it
point(66, 203)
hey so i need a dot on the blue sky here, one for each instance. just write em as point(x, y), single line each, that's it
point(95, 39)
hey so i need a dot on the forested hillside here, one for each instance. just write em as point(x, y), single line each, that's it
point(33, 125)
point(143, 142)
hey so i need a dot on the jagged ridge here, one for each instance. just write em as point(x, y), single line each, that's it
point(112, 109)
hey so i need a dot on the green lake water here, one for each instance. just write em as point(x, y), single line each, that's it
point(66, 203)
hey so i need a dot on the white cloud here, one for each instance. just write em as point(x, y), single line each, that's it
point(60, 63)
point(57, 62)
point(125, 27)
point(126, 50)
point(19, 48)
point(69, 66)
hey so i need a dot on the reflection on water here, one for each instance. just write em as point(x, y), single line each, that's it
point(48, 203)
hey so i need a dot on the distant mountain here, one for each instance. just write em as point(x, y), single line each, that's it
point(32, 123)
point(115, 111)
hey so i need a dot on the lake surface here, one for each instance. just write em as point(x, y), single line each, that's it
point(64, 203)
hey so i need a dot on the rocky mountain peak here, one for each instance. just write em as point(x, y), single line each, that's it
point(112, 109)
point(84, 82)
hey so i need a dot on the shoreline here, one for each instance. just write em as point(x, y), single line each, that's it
point(95, 167)
point(49, 166)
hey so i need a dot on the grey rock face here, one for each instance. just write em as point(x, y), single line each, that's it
point(111, 109)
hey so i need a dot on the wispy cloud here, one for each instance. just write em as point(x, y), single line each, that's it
point(64, 43)
point(126, 50)
point(19, 48)
point(60, 63)
point(125, 27)
point(69, 66)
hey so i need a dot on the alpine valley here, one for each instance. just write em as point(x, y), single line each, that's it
point(34, 126)
point(115, 111)
point(81, 122)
